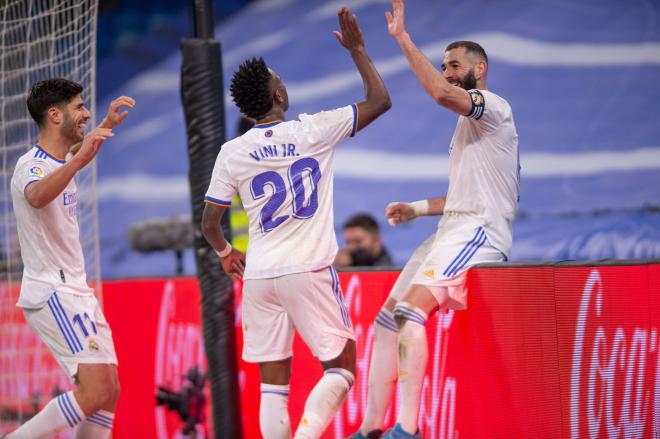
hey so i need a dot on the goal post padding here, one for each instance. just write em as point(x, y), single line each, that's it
point(202, 96)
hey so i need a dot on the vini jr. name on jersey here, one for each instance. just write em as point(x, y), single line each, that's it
point(270, 151)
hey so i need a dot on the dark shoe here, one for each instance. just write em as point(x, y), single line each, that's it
point(399, 433)
point(373, 434)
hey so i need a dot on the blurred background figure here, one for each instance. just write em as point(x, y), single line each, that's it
point(364, 246)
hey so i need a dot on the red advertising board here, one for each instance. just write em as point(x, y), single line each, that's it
point(542, 352)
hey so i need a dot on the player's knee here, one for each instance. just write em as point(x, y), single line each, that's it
point(405, 313)
point(114, 390)
point(100, 391)
point(107, 395)
point(345, 360)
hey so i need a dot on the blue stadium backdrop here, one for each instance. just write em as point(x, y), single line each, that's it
point(582, 79)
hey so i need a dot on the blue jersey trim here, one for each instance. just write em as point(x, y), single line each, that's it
point(42, 153)
point(355, 119)
point(212, 200)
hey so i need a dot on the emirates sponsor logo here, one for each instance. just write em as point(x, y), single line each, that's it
point(615, 373)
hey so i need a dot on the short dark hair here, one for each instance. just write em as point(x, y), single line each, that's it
point(363, 220)
point(50, 93)
point(470, 47)
point(250, 88)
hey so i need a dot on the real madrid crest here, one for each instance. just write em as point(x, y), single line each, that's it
point(93, 345)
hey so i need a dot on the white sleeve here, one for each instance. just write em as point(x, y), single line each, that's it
point(331, 127)
point(30, 171)
point(222, 187)
point(488, 109)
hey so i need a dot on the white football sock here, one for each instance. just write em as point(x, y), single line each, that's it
point(413, 355)
point(97, 426)
point(382, 372)
point(59, 414)
point(274, 412)
point(323, 402)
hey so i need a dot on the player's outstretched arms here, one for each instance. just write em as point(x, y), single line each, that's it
point(114, 117)
point(42, 192)
point(377, 99)
point(443, 93)
point(232, 260)
point(399, 212)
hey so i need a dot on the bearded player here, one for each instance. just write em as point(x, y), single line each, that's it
point(476, 225)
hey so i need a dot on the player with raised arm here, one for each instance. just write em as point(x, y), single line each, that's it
point(283, 173)
point(478, 212)
point(55, 297)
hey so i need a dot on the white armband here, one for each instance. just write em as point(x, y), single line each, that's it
point(225, 251)
point(420, 207)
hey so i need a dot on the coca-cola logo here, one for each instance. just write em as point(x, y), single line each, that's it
point(179, 347)
point(438, 404)
point(612, 371)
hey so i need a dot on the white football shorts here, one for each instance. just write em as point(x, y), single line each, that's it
point(75, 331)
point(442, 260)
point(311, 303)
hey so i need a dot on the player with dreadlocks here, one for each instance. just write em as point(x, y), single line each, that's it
point(282, 171)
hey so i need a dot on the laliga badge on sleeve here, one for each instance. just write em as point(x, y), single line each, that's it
point(36, 171)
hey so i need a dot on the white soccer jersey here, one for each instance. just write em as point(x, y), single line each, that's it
point(49, 237)
point(484, 168)
point(283, 174)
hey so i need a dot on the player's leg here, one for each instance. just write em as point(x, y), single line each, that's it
point(97, 394)
point(274, 409)
point(315, 305)
point(438, 284)
point(383, 365)
point(98, 425)
point(411, 314)
point(329, 393)
point(382, 373)
point(267, 340)
point(72, 347)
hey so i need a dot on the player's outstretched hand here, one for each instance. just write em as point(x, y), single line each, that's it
point(398, 212)
point(395, 19)
point(91, 145)
point(234, 264)
point(351, 35)
point(115, 114)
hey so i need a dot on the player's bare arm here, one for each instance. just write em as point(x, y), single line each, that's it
point(234, 262)
point(377, 99)
point(399, 212)
point(432, 80)
point(42, 192)
point(114, 117)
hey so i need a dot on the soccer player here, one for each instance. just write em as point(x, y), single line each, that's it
point(56, 300)
point(476, 226)
point(283, 173)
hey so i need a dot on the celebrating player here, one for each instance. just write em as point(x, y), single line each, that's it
point(55, 298)
point(283, 173)
point(476, 227)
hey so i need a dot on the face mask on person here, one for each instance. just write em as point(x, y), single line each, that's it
point(362, 256)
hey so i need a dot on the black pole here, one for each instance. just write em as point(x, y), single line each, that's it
point(203, 101)
point(203, 19)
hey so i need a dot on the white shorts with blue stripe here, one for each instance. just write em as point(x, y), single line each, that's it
point(311, 303)
point(74, 329)
point(443, 259)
